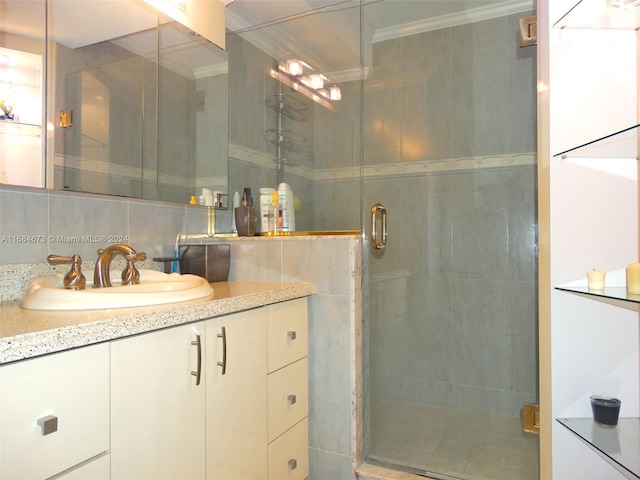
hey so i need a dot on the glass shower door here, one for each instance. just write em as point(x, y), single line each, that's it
point(451, 321)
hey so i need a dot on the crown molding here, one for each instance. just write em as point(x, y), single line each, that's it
point(461, 18)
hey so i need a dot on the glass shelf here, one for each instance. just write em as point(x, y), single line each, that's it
point(613, 293)
point(597, 14)
point(8, 127)
point(620, 144)
point(619, 445)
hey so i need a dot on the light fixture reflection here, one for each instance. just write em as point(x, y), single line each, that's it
point(623, 3)
point(294, 67)
point(304, 79)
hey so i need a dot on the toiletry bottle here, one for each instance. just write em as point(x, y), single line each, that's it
point(266, 195)
point(285, 197)
point(247, 193)
point(236, 203)
point(275, 217)
point(207, 197)
point(246, 216)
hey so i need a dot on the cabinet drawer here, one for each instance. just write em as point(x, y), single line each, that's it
point(287, 333)
point(288, 397)
point(72, 386)
point(289, 454)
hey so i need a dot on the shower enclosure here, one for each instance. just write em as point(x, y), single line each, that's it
point(436, 123)
point(451, 344)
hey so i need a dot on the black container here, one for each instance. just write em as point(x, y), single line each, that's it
point(208, 261)
point(605, 410)
point(246, 220)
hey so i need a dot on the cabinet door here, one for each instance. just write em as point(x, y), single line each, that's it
point(237, 396)
point(157, 407)
point(72, 389)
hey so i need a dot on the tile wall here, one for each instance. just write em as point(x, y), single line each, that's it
point(35, 223)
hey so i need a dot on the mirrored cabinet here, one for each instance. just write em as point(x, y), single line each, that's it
point(117, 98)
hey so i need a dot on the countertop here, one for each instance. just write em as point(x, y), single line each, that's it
point(31, 333)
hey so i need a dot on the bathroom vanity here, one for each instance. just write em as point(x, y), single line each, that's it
point(214, 389)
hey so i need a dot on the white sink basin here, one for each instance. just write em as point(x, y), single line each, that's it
point(155, 288)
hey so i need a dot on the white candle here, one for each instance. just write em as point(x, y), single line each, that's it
point(595, 279)
point(633, 278)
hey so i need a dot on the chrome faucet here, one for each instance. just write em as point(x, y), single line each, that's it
point(130, 275)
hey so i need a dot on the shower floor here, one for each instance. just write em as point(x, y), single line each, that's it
point(450, 443)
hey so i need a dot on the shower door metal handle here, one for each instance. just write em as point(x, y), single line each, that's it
point(375, 244)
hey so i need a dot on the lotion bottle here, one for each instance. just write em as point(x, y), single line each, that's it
point(285, 197)
point(266, 212)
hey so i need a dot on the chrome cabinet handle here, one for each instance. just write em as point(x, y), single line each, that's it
point(48, 424)
point(375, 244)
point(291, 335)
point(292, 399)
point(223, 363)
point(293, 464)
point(198, 372)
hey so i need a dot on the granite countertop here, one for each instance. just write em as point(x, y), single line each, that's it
point(31, 333)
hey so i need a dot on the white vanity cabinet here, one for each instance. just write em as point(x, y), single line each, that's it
point(54, 415)
point(225, 398)
point(257, 394)
point(158, 405)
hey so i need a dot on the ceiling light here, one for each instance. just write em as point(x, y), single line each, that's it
point(295, 67)
point(335, 93)
point(316, 81)
point(304, 79)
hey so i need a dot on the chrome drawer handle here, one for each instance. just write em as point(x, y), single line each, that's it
point(293, 464)
point(292, 399)
point(291, 335)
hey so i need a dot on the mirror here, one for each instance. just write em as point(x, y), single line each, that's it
point(119, 100)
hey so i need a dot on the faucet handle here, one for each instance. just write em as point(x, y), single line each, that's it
point(139, 257)
point(74, 279)
point(130, 274)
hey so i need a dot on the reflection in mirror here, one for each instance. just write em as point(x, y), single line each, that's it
point(137, 105)
point(277, 133)
point(22, 67)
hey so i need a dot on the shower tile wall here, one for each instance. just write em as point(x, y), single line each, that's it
point(457, 282)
